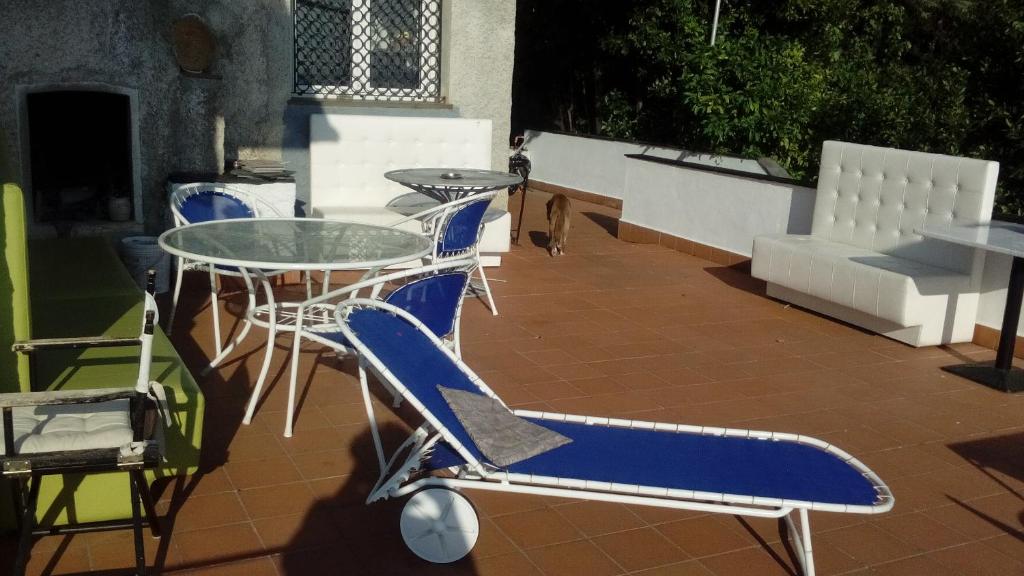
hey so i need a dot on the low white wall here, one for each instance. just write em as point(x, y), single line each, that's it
point(598, 166)
point(719, 210)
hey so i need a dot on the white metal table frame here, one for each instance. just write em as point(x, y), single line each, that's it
point(447, 184)
point(1003, 238)
point(252, 263)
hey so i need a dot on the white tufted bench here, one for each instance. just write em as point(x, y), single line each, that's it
point(863, 263)
point(349, 155)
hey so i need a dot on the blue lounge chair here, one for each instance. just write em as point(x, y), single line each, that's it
point(738, 472)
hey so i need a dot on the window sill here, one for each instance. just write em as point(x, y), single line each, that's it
point(350, 103)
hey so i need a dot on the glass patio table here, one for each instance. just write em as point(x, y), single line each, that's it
point(435, 185)
point(256, 245)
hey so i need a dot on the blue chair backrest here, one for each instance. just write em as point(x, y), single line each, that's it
point(207, 205)
point(463, 228)
point(416, 363)
point(433, 300)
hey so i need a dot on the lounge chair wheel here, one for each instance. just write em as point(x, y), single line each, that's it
point(439, 525)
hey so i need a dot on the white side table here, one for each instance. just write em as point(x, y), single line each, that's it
point(1003, 238)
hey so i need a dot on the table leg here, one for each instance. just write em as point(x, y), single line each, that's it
point(271, 336)
point(522, 207)
point(293, 374)
point(1011, 315)
point(1001, 374)
point(246, 326)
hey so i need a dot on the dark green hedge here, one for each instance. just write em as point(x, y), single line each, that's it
point(933, 75)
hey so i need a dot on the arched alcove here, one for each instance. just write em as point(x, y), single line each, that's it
point(80, 148)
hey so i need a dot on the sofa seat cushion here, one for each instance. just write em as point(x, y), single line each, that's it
point(54, 428)
point(902, 291)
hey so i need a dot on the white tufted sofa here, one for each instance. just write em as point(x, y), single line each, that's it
point(863, 262)
point(349, 155)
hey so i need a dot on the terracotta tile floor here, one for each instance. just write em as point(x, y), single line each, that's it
point(622, 330)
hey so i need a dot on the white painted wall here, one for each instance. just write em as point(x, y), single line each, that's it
point(598, 166)
point(715, 209)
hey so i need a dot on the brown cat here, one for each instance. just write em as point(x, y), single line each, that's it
point(559, 213)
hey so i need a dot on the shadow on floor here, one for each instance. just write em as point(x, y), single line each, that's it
point(784, 538)
point(737, 276)
point(609, 223)
point(1003, 526)
point(539, 239)
point(996, 454)
point(997, 457)
point(343, 530)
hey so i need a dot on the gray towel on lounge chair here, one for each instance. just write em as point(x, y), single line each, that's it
point(501, 436)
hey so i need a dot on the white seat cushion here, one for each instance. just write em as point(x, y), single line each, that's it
point(897, 289)
point(55, 428)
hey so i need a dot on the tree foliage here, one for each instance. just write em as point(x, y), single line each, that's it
point(934, 75)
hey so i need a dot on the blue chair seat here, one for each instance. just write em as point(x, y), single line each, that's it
point(690, 461)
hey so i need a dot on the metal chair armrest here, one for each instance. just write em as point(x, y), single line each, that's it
point(52, 397)
point(43, 344)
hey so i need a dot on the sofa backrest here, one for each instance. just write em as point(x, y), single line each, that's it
point(349, 154)
point(14, 301)
point(875, 198)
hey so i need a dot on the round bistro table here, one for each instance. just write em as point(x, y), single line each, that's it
point(447, 184)
point(254, 245)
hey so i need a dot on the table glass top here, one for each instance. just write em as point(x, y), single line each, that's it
point(1002, 237)
point(454, 178)
point(294, 244)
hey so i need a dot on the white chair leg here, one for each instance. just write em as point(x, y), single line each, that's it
point(487, 287)
point(293, 373)
point(368, 403)
point(177, 293)
point(801, 538)
point(215, 307)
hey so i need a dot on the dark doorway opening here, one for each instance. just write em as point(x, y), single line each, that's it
point(81, 156)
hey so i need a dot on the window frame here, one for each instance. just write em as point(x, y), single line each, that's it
point(431, 46)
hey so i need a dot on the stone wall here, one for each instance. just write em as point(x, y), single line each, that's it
point(245, 109)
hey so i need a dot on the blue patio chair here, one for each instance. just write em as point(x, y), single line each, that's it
point(432, 293)
point(722, 470)
point(203, 202)
point(456, 228)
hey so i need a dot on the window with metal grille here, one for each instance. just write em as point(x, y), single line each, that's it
point(368, 49)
